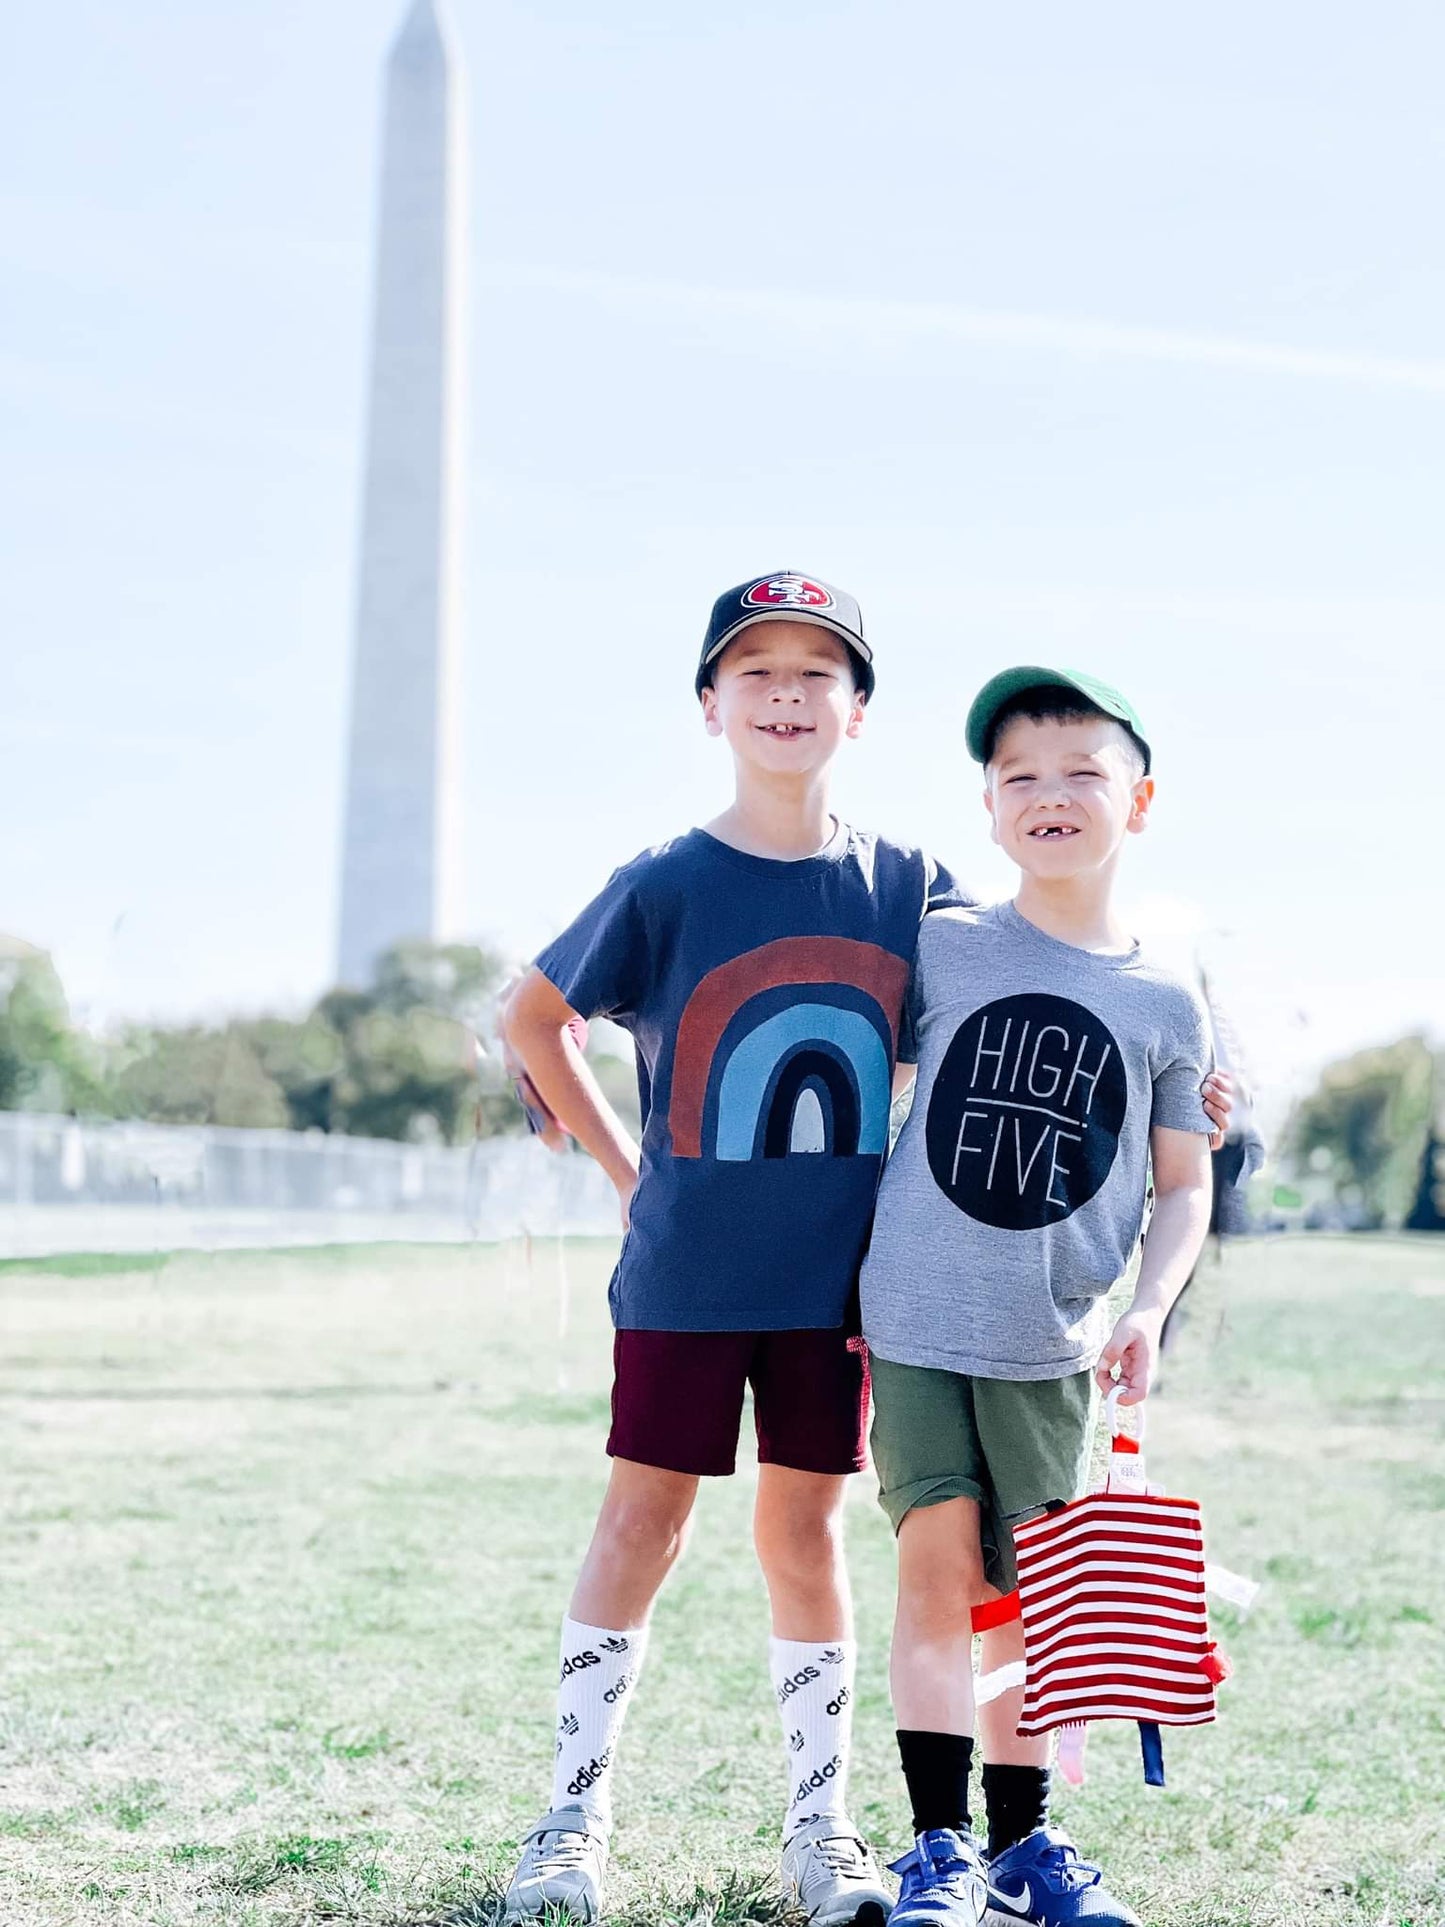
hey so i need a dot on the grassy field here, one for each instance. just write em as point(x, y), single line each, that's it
point(287, 1537)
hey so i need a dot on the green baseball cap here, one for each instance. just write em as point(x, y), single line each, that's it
point(1009, 683)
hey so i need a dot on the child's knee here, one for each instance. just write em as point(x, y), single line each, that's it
point(941, 1602)
point(799, 1547)
point(643, 1527)
point(941, 1570)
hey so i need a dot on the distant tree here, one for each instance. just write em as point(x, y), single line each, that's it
point(408, 1075)
point(1366, 1124)
point(195, 1076)
point(1428, 1210)
point(457, 980)
point(304, 1060)
point(45, 1063)
point(410, 1067)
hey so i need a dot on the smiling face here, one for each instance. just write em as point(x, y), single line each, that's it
point(783, 695)
point(1064, 792)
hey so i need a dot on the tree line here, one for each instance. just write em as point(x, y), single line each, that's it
point(1374, 1129)
point(400, 1058)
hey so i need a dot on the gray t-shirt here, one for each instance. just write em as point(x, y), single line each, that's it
point(1014, 1197)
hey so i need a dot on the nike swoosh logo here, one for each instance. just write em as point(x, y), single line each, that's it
point(1021, 1904)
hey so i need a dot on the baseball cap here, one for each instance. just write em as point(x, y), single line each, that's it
point(786, 594)
point(1009, 683)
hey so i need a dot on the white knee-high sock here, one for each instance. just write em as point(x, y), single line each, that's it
point(598, 1670)
point(813, 1686)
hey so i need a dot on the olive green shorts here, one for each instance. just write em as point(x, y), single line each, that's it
point(1015, 1445)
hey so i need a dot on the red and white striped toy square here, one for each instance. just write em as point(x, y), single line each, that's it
point(1111, 1590)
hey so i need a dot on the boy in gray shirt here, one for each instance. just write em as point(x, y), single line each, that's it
point(1056, 1062)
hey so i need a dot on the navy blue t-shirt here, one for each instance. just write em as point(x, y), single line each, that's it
point(765, 1000)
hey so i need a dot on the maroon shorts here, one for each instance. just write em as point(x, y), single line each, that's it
point(677, 1399)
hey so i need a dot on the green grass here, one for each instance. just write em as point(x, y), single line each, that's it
point(84, 1264)
point(286, 1539)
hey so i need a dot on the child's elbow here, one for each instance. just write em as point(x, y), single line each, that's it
point(516, 1017)
point(506, 1021)
point(531, 1011)
point(1189, 1193)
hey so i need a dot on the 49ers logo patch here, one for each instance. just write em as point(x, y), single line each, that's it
point(787, 592)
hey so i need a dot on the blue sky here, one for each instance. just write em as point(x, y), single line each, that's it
point(1105, 336)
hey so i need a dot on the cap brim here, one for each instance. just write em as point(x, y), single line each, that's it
point(855, 645)
point(1002, 688)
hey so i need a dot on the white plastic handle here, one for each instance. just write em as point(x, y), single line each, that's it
point(1111, 1415)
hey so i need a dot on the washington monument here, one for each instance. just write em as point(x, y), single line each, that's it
point(400, 856)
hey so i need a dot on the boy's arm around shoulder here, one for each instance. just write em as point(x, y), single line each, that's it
point(942, 890)
point(1172, 1244)
point(953, 897)
point(1217, 1091)
point(534, 1022)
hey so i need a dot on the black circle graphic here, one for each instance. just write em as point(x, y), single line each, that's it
point(1025, 1113)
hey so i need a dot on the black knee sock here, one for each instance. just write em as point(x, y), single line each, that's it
point(936, 1765)
point(1017, 1799)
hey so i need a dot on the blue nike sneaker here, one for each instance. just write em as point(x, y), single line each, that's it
point(1043, 1880)
point(944, 1882)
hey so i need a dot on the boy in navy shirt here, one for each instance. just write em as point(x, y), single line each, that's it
point(760, 964)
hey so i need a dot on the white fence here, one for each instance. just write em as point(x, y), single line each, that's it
point(69, 1186)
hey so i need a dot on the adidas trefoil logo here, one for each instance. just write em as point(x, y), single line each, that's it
point(613, 1645)
point(795, 1741)
point(833, 1655)
point(569, 1725)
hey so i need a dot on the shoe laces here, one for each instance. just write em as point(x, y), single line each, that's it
point(950, 1865)
point(1063, 1864)
point(937, 1863)
point(843, 1854)
point(563, 1846)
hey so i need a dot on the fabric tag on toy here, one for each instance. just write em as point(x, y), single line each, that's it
point(1231, 1586)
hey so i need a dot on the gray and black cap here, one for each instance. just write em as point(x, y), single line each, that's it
point(786, 595)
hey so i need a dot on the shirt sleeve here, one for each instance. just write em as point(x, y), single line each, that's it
point(600, 961)
point(908, 1019)
point(1186, 1059)
point(941, 891)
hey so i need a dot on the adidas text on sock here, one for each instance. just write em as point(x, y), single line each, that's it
point(813, 1688)
point(597, 1672)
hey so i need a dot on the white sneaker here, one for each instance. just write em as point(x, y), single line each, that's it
point(563, 1861)
point(829, 1868)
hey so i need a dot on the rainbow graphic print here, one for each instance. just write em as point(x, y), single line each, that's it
point(800, 1023)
